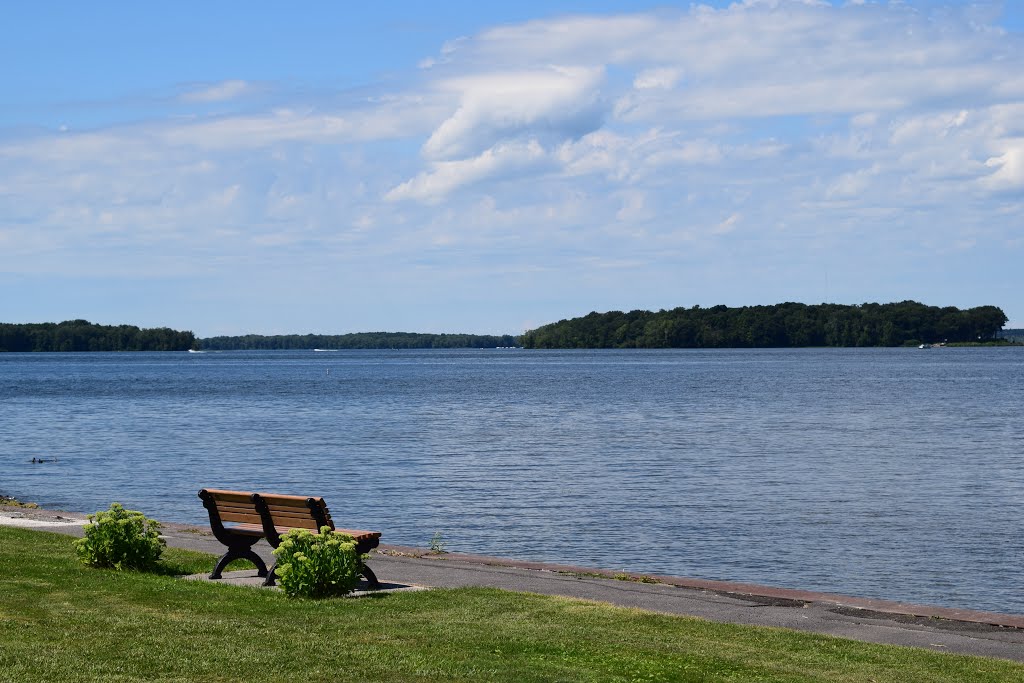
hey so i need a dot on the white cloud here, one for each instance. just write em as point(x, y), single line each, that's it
point(220, 92)
point(921, 128)
point(772, 59)
point(391, 118)
point(851, 184)
point(446, 176)
point(865, 120)
point(557, 101)
point(635, 208)
point(1009, 173)
point(686, 152)
point(598, 152)
point(727, 225)
point(658, 78)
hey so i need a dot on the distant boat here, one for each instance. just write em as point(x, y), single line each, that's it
point(925, 346)
point(195, 351)
point(322, 350)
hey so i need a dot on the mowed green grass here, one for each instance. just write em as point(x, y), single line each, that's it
point(61, 621)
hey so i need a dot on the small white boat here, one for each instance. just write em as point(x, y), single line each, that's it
point(925, 346)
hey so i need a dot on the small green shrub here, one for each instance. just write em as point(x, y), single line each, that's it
point(438, 543)
point(121, 539)
point(317, 565)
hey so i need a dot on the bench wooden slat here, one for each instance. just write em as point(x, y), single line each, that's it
point(235, 507)
point(306, 522)
point(221, 495)
point(292, 501)
point(296, 524)
point(282, 520)
point(293, 512)
point(250, 517)
point(247, 529)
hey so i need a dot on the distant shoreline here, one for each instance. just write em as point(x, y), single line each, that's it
point(788, 325)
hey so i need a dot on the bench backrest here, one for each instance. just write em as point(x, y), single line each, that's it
point(243, 507)
point(297, 511)
point(233, 506)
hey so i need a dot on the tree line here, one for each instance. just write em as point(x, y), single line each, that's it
point(82, 335)
point(358, 340)
point(781, 325)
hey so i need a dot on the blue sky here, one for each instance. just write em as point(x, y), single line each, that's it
point(490, 167)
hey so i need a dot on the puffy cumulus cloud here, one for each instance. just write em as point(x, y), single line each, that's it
point(555, 102)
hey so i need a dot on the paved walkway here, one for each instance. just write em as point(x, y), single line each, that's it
point(875, 621)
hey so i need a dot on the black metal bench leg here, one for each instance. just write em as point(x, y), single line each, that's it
point(271, 577)
point(240, 553)
point(371, 578)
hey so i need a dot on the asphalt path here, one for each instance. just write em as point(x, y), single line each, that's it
point(873, 621)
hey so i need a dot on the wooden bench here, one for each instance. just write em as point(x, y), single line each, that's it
point(239, 519)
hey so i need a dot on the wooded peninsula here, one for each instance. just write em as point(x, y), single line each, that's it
point(82, 335)
point(783, 325)
point(907, 323)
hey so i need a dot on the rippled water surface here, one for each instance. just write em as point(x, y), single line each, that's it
point(894, 473)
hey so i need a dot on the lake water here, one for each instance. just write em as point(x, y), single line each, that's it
point(891, 473)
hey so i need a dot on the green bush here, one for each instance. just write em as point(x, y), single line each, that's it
point(317, 565)
point(120, 539)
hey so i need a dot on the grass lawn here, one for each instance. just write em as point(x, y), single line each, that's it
point(61, 621)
